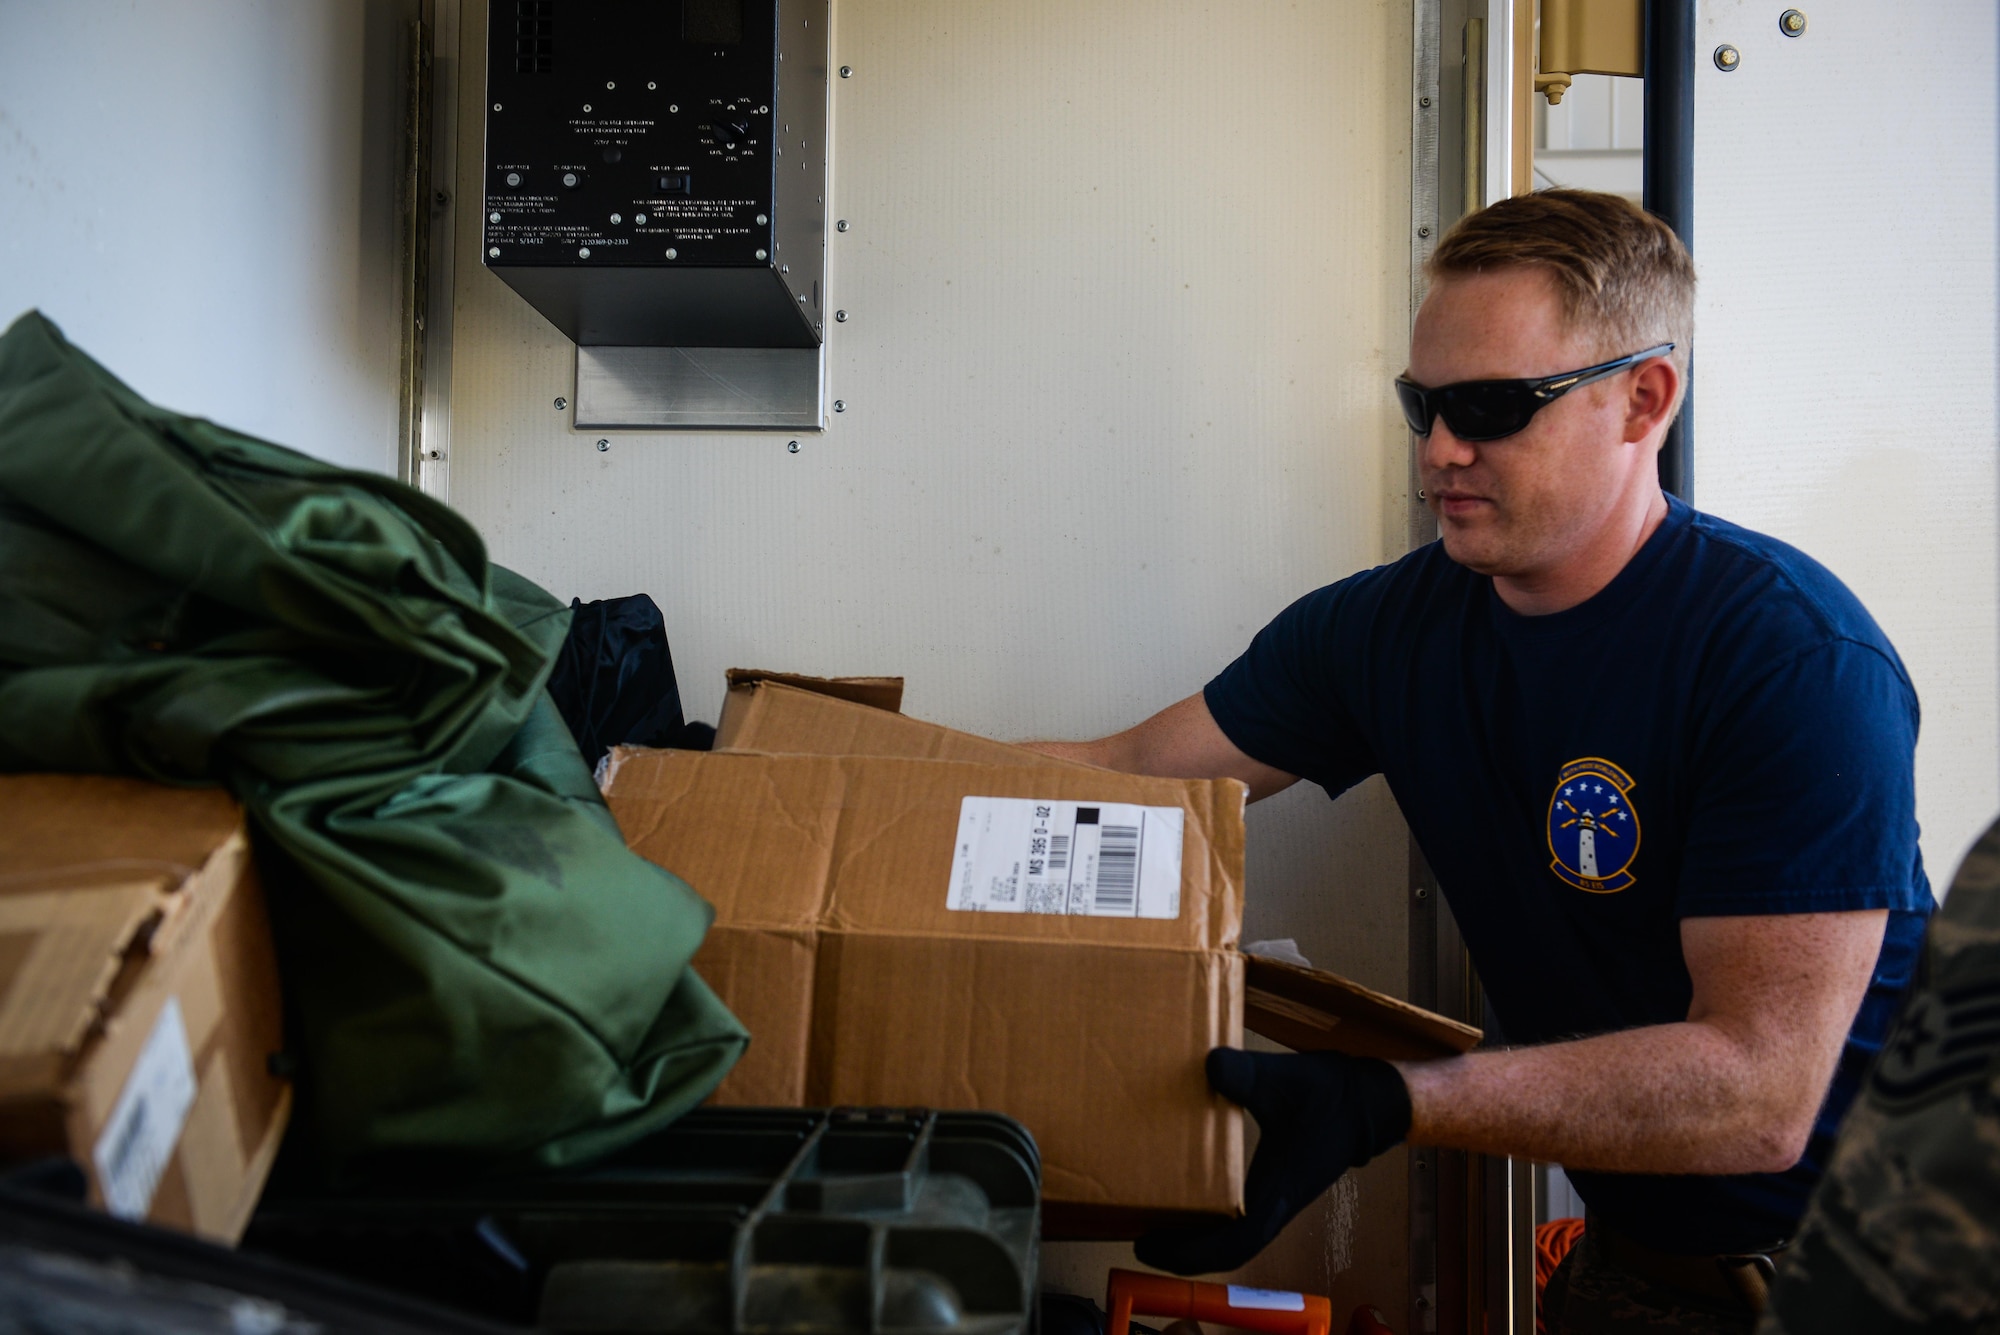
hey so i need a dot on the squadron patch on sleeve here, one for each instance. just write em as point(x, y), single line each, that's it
point(1593, 826)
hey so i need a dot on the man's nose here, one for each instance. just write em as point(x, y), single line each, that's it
point(1442, 449)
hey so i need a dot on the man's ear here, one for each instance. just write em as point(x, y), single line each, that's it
point(1649, 406)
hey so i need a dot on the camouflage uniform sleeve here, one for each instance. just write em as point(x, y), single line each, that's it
point(1903, 1233)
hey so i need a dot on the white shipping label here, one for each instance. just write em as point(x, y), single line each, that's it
point(1104, 859)
point(146, 1122)
point(1265, 1300)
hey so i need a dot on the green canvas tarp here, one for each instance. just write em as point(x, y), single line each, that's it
point(480, 974)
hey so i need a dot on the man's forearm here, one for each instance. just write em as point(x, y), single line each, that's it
point(1180, 742)
point(1673, 1098)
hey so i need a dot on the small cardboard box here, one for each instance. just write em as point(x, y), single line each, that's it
point(138, 997)
point(879, 954)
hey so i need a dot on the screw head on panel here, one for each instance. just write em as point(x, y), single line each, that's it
point(673, 254)
point(840, 405)
point(441, 198)
point(513, 178)
point(602, 445)
point(651, 86)
point(569, 179)
point(1423, 231)
point(763, 254)
point(616, 219)
point(673, 106)
point(1423, 101)
point(763, 218)
point(609, 86)
point(493, 216)
point(846, 72)
point(1791, 23)
point(1423, 893)
point(493, 253)
point(639, 218)
point(496, 106)
point(586, 107)
point(840, 226)
point(583, 252)
point(840, 316)
point(793, 446)
point(561, 403)
point(1727, 58)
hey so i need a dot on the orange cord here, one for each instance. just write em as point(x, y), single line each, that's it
point(1552, 1242)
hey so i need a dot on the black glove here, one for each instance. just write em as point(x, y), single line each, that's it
point(1318, 1114)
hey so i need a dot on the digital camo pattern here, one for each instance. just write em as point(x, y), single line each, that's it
point(1903, 1233)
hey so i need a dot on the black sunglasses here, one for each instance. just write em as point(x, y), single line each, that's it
point(1479, 410)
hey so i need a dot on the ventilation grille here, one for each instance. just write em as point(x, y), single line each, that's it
point(534, 36)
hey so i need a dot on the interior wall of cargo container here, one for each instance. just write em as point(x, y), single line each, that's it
point(203, 195)
point(1126, 284)
point(1845, 341)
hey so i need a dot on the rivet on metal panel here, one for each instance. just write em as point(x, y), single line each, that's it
point(763, 254)
point(1422, 495)
point(846, 72)
point(441, 198)
point(493, 216)
point(561, 403)
point(651, 86)
point(1727, 58)
point(763, 218)
point(609, 87)
point(1791, 23)
point(840, 226)
point(793, 447)
point(602, 445)
point(586, 106)
point(1423, 892)
point(493, 252)
point(1423, 101)
point(840, 405)
point(496, 106)
point(673, 254)
point(840, 316)
point(1423, 231)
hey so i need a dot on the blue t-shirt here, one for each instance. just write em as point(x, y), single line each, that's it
point(1722, 730)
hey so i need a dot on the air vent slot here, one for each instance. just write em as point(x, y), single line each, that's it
point(534, 36)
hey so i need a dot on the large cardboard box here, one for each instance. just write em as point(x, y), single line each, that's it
point(874, 931)
point(1304, 1009)
point(138, 997)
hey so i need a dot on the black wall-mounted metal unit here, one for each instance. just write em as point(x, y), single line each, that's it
point(656, 169)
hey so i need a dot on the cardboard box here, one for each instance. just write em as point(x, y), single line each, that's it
point(138, 997)
point(1307, 1009)
point(837, 943)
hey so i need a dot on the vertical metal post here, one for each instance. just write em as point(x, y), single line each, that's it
point(1669, 183)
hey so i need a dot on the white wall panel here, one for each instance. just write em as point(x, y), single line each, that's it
point(201, 193)
point(1127, 285)
point(1845, 340)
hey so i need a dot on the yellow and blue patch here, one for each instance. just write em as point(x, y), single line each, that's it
point(1593, 826)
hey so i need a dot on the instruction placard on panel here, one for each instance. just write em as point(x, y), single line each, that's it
point(1104, 859)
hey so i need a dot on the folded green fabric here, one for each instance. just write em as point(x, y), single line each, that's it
point(481, 974)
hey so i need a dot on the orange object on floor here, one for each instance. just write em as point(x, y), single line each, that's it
point(1278, 1311)
point(1552, 1242)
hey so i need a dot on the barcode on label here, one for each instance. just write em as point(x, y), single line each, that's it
point(1117, 870)
point(1104, 859)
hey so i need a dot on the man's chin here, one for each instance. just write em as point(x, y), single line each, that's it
point(1475, 551)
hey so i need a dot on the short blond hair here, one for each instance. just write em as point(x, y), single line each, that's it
point(1621, 273)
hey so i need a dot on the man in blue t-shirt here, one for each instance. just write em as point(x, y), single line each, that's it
point(1661, 765)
